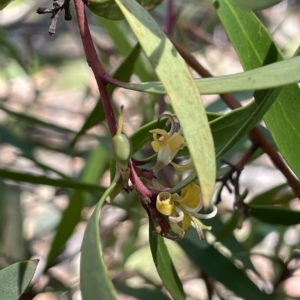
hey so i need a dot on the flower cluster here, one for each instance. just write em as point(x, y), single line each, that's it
point(181, 210)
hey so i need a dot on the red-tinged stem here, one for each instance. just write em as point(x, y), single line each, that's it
point(144, 193)
point(94, 63)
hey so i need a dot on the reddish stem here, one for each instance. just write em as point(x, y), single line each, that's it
point(141, 189)
point(94, 63)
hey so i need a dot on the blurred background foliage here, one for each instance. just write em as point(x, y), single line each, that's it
point(47, 93)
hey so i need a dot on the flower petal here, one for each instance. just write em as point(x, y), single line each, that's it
point(155, 146)
point(176, 228)
point(191, 200)
point(184, 167)
point(176, 142)
point(207, 216)
point(164, 203)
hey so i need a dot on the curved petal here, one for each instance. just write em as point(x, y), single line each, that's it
point(207, 216)
point(176, 228)
point(184, 167)
point(164, 203)
point(180, 215)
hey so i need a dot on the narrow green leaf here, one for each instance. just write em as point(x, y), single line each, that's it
point(255, 48)
point(268, 196)
point(33, 120)
point(275, 214)
point(178, 82)
point(126, 68)
point(72, 214)
point(40, 179)
point(164, 265)
point(15, 278)
point(222, 269)
point(256, 116)
point(257, 4)
point(270, 76)
point(94, 278)
point(224, 127)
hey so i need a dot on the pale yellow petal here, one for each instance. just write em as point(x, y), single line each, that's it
point(176, 142)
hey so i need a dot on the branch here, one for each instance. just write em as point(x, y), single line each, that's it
point(94, 63)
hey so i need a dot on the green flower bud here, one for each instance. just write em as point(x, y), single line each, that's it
point(121, 149)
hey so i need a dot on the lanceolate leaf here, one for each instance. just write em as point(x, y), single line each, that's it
point(223, 128)
point(270, 76)
point(15, 278)
point(178, 82)
point(164, 265)
point(72, 214)
point(94, 279)
point(40, 179)
point(275, 214)
point(220, 268)
point(255, 48)
point(262, 108)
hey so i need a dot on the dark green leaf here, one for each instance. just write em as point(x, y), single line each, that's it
point(257, 4)
point(164, 265)
point(40, 179)
point(223, 128)
point(255, 117)
point(275, 214)
point(268, 196)
point(222, 269)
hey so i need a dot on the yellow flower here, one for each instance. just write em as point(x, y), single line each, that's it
point(166, 145)
point(183, 209)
